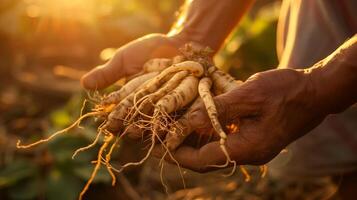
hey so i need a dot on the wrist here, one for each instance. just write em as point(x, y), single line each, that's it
point(186, 36)
point(334, 78)
point(332, 84)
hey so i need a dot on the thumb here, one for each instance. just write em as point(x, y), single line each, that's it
point(104, 75)
point(129, 60)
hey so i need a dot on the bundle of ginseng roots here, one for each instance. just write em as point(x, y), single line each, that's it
point(157, 102)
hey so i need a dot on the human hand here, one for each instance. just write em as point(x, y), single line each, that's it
point(274, 108)
point(130, 58)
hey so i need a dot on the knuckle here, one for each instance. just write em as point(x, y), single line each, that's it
point(225, 115)
point(199, 119)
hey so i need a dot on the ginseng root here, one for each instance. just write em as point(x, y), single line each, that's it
point(154, 97)
point(107, 139)
point(185, 92)
point(158, 100)
point(204, 90)
point(116, 117)
point(222, 83)
point(157, 65)
point(127, 89)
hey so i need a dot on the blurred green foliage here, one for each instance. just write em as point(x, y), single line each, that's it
point(49, 170)
point(251, 47)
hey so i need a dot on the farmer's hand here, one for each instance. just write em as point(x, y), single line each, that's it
point(274, 108)
point(130, 58)
point(199, 26)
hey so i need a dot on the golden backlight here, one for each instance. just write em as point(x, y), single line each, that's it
point(85, 11)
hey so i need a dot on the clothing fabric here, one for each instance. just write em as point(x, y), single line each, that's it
point(308, 31)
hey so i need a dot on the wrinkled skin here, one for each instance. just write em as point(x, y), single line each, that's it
point(273, 111)
point(274, 108)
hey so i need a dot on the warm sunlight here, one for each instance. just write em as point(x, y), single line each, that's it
point(85, 11)
point(138, 99)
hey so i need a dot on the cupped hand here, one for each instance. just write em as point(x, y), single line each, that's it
point(274, 108)
point(130, 58)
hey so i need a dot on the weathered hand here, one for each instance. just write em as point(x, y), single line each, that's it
point(130, 58)
point(274, 108)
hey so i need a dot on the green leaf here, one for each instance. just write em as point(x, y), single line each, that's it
point(28, 189)
point(61, 118)
point(62, 185)
point(63, 148)
point(15, 172)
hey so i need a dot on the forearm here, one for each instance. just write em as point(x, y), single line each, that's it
point(209, 22)
point(335, 78)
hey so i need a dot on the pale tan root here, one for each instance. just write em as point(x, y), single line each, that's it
point(181, 96)
point(204, 90)
point(152, 145)
point(179, 131)
point(185, 93)
point(116, 117)
point(157, 64)
point(100, 130)
point(161, 118)
point(108, 156)
point(193, 67)
point(88, 146)
point(157, 125)
point(116, 96)
point(95, 98)
point(107, 140)
point(122, 111)
point(153, 65)
point(154, 97)
point(19, 146)
point(222, 82)
point(178, 59)
point(82, 110)
point(108, 159)
point(161, 164)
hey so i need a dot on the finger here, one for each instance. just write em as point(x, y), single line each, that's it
point(135, 132)
point(104, 75)
point(129, 60)
point(237, 103)
point(159, 152)
point(202, 159)
point(199, 159)
point(231, 105)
